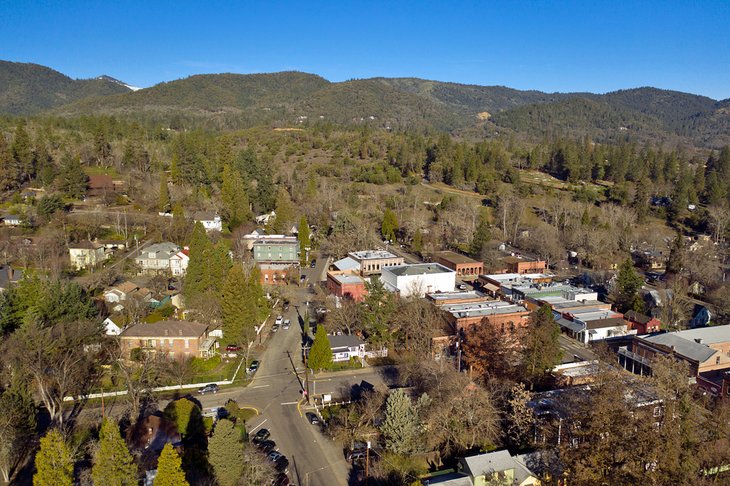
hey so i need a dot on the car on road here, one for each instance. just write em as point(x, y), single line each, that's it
point(212, 388)
point(279, 320)
point(261, 436)
point(282, 464)
point(275, 327)
point(274, 456)
point(287, 324)
point(313, 264)
point(267, 446)
point(253, 367)
point(313, 419)
point(232, 348)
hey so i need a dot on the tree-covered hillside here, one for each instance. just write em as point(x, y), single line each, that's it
point(29, 88)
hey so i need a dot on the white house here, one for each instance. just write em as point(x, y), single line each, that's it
point(156, 258)
point(418, 279)
point(179, 263)
point(86, 254)
point(345, 347)
point(112, 328)
point(265, 218)
point(11, 220)
point(210, 221)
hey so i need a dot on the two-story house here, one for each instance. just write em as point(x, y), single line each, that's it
point(209, 220)
point(175, 339)
point(156, 258)
point(86, 254)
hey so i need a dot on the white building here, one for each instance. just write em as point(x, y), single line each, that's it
point(86, 254)
point(418, 279)
point(179, 263)
point(111, 328)
point(210, 221)
point(156, 258)
point(345, 347)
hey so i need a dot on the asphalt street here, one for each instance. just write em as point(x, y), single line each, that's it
point(276, 392)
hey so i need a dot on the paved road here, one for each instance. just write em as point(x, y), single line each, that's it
point(572, 348)
point(276, 392)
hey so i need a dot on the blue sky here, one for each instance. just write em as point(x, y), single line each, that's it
point(551, 46)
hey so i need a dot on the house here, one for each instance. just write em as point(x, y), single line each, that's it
point(590, 324)
point(11, 220)
point(497, 467)
point(9, 276)
point(346, 285)
point(100, 185)
point(179, 262)
point(209, 220)
point(156, 258)
point(86, 254)
point(175, 339)
point(345, 346)
point(372, 262)
point(112, 326)
point(125, 291)
point(265, 218)
point(704, 349)
point(418, 279)
point(643, 324)
point(461, 264)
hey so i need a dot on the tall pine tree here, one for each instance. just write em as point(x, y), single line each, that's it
point(169, 468)
point(304, 240)
point(113, 464)
point(226, 453)
point(320, 356)
point(53, 463)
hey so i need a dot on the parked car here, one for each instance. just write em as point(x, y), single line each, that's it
point(267, 446)
point(462, 287)
point(274, 456)
point(261, 436)
point(279, 320)
point(313, 263)
point(281, 480)
point(253, 366)
point(281, 464)
point(212, 388)
point(232, 348)
point(287, 324)
point(286, 305)
point(312, 417)
point(274, 328)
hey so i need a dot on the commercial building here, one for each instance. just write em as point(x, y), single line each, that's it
point(458, 297)
point(418, 279)
point(372, 262)
point(284, 249)
point(345, 285)
point(592, 324)
point(521, 265)
point(504, 316)
point(174, 339)
point(497, 284)
point(461, 264)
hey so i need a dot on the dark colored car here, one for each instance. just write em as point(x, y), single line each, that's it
point(261, 436)
point(267, 446)
point(212, 388)
point(281, 464)
point(286, 305)
point(281, 480)
point(253, 366)
point(313, 419)
point(274, 456)
point(313, 264)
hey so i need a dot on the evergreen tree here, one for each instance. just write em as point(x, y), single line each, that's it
point(234, 198)
point(9, 171)
point(72, 180)
point(320, 355)
point(169, 468)
point(417, 243)
point(196, 276)
point(53, 462)
point(239, 307)
point(164, 200)
point(400, 427)
point(181, 227)
point(284, 212)
point(481, 237)
point(17, 426)
point(541, 346)
point(628, 284)
point(389, 226)
point(113, 464)
point(226, 453)
point(304, 240)
point(22, 153)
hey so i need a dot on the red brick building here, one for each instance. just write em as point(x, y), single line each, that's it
point(521, 265)
point(346, 285)
point(461, 264)
point(175, 339)
point(642, 323)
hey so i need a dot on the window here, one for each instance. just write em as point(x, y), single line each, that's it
point(717, 360)
point(657, 411)
point(187, 344)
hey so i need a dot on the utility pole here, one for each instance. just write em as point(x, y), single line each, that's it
point(306, 373)
point(367, 462)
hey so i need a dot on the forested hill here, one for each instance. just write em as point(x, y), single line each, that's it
point(30, 88)
point(225, 101)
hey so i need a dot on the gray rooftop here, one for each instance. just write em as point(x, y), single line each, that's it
point(685, 347)
point(476, 309)
point(348, 279)
point(418, 269)
point(708, 335)
point(345, 264)
point(496, 461)
point(161, 250)
point(371, 254)
point(344, 340)
point(166, 329)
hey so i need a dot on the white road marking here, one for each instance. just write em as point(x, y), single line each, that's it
point(259, 425)
point(260, 386)
point(289, 403)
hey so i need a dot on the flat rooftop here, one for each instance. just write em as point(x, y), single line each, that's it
point(348, 279)
point(503, 278)
point(454, 257)
point(497, 307)
point(286, 240)
point(707, 335)
point(458, 295)
point(371, 254)
point(417, 269)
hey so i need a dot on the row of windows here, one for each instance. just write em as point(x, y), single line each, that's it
point(151, 343)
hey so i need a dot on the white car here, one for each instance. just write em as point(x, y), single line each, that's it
point(287, 323)
point(279, 321)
